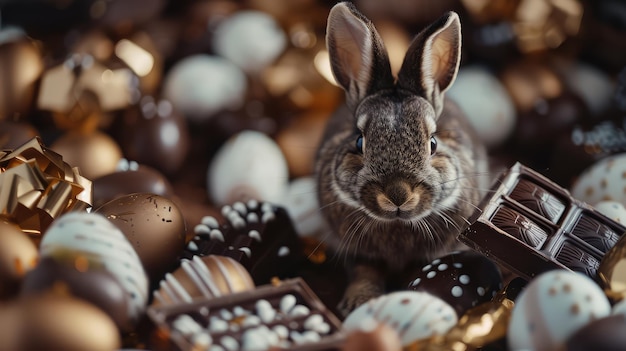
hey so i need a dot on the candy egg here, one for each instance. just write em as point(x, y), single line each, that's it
point(554, 306)
point(248, 166)
point(153, 225)
point(601, 334)
point(99, 240)
point(201, 85)
point(602, 181)
point(612, 209)
point(208, 276)
point(489, 109)
point(18, 255)
point(301, 203)
point(462, 279)
point(413, 315)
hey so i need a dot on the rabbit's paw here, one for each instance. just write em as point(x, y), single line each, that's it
point(357, 294)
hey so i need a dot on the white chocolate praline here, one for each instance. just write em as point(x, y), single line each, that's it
point(201, 85)
point(250, 39)
point(602, 181)
point(414, 315)
point(552, 307)
point(95, 237)
point(248, 166)
point(489, 109)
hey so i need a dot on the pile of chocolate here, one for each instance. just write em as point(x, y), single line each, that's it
point(157, 184)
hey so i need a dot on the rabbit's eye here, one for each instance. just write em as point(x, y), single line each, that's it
point(433, 145)
point(359, 143)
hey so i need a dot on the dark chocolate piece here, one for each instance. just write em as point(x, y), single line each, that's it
point(258, 235)
point(286, 315)
point(530, 225)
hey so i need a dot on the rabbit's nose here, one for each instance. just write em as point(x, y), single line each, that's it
point(397, 195)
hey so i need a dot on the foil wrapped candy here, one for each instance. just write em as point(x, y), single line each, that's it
point(36, 187)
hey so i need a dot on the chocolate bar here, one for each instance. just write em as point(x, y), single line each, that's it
point(530, 225)
point(287, 315)
point(258, 235)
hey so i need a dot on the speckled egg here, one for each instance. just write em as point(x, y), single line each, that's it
point(463, 279)
point(153, 225)
point(489, 109)
point(603, 181)
point(414, 315)
point(612, 209)
point(553, 306)
point(99, 240)
point(248, 166)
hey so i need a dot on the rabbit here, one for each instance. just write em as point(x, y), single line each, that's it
point(399, 168)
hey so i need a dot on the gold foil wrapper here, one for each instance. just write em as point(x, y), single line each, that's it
point(612, 271)
point(36, 187)
point(479, 326)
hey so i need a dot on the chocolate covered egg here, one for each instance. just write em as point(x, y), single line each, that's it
point(554, 306)
point(99, 240)
point(463, 279)
point(612, 209)
point(604, 180)
point(153, 225)
point(414, 315)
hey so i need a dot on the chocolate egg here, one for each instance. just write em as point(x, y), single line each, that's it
point(130, 178)
point(201, 85)
point(18, 255)
point(156, 135)
point(303, 207)
point(377, 337)
point(15, 134)
point(250, 39)
point(21, 64)
point(612, 209)
point(414, 315)
point(95, 153)
point(489, 109)
point(463, 279)
point(76, 276)
point(248, 166)
point(552, 308)
point(592, 84)
point(153, 225)
point(99, 240)
point(57, 322)
point(602, 181)
point(601, 334)
point(203, 277)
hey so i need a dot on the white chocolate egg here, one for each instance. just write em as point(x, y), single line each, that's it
point(414, 315)
point(202, 85)
point(303, 207)
point(95, 237)
point(489, 109)
point(552, 307)
point(612, 209)
point(248, 166)
point(605, 180)
point(250, 39)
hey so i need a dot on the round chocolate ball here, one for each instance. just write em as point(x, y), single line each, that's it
point(18, 255)
point(83, 279)
point(601, 334)
point(463, 279)
point(153, 225)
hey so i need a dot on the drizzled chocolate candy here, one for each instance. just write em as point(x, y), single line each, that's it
point(258, 235)
point(287, 315)
point(530, 225)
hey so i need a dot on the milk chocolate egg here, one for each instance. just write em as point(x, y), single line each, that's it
point(463, 279)
point(602, 181)
point(95, 153)
point(414, 315)
point(153, 225)
point(553, 307)
point(76, 276)
point(56, 322)
point(248, 166)
point(99, 240)
point(605, 333)
point(203, 277)
point(156, 135)
point(21, 65)
point(138, 179)
point(18, 255)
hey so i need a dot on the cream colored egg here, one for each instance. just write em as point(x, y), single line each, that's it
point(612, 209)
point(605, 180)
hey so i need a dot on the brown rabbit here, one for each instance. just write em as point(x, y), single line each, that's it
point(399, 168)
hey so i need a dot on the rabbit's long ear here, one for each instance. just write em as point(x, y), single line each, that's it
point(357, 55)
point(432, 61)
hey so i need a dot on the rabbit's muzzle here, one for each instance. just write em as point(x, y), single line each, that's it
point(396, 200)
